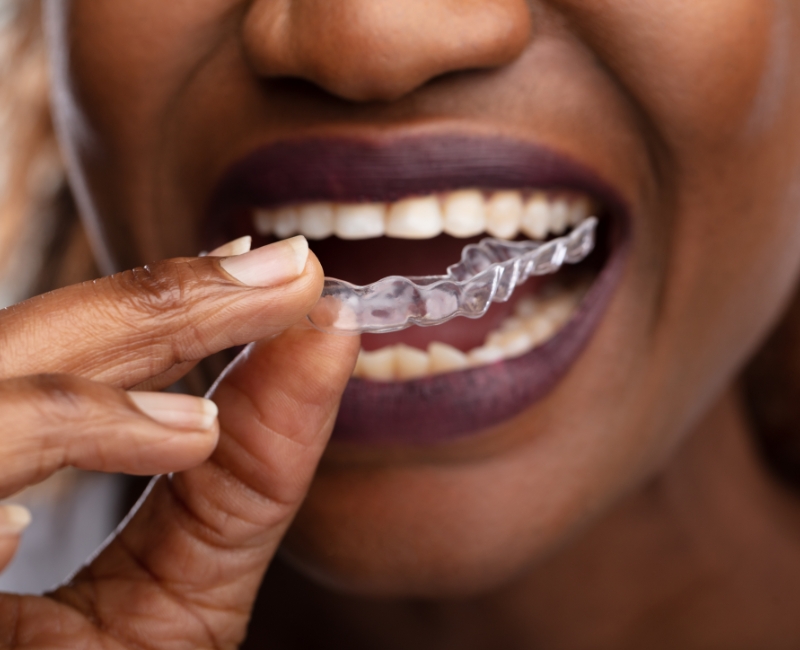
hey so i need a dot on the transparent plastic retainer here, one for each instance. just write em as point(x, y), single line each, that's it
point(488, 272)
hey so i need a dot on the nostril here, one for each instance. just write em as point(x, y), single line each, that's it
point(380, 50)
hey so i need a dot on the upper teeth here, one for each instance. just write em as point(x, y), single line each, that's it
point(463, 213)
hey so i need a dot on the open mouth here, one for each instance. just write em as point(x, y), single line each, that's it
point(409, 208)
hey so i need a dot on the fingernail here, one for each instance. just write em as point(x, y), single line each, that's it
point(233, 248)
point(14, 519)
point(177, 411)
point(270, 266)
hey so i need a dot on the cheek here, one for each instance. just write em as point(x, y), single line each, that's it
point(695, 69)
point(733, 268)
point(427, 532)
point(118, 69)
point(718, 83)
point(122, 62)
point(735, 247)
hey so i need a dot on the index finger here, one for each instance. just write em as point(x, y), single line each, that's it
point(127, 328)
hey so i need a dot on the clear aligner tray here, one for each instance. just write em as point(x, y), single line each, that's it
point(488, 272)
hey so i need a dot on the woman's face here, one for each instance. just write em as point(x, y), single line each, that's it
point(189, 122)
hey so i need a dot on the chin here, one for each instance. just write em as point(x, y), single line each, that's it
point(429, 530)
point(401, 559)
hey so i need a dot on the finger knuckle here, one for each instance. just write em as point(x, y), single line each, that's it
point(64, 393)
point(153, 298)
point(156, 290)
point(57, 400)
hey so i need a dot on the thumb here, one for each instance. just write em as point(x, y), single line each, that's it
point(196, 550)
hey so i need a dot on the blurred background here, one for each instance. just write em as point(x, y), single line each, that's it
point(42, 246)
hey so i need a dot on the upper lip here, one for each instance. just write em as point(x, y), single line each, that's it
point(387, 168)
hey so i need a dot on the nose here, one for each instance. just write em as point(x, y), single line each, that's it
point(380, 50)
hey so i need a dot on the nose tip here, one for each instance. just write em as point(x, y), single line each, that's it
point(381, 50)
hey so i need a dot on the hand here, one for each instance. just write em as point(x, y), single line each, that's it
point(185, 569)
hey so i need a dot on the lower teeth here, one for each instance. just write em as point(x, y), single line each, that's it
point(488, 272)
point(536, 320)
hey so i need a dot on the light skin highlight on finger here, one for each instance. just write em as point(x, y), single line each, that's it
point(14, 519)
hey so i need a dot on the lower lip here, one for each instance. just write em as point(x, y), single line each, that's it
point(445, 408)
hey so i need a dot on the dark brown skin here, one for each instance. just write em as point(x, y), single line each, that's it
point(626, 510)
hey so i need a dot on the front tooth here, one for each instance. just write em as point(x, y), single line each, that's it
point(316, 220)
point(263, 222)
point(512, 324)
point(539, 330)
point(526, 307)
point(410, 363)
point(536, 217)
point(464, 213)
point(446, 358)
point(512, 343)
point(504, 214)
point(517, 344)
point(560, 308)
point(378, 365)
point(485, 355)
point(559, 216)
point(359, 220)
point(415, 219)
point(285, 223)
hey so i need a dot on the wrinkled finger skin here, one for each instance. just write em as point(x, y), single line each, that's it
point(130, 327)
point(184, 571)
point(66, 356)
point(54, 421)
